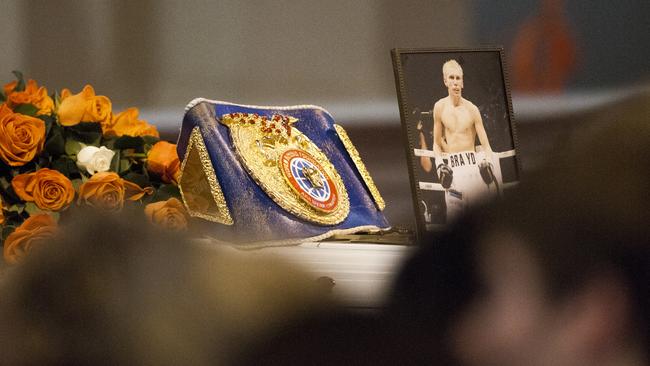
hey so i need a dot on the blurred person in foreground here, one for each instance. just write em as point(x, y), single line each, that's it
point(112, 290)
point(565, 263)
point(558, 272)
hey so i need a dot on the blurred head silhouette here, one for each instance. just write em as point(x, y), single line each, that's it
point(113, 290)
point(564, 262)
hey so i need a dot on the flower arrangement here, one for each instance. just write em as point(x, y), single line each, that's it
point(66, 150)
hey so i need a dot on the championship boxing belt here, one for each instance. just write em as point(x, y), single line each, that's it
point(273, 175)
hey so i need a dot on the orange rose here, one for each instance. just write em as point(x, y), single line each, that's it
point(21, 137)
point(127, 123)
point(84, 107)
point(168, 214)
point(163, 161)
point(33, 231)
point(33, 94)
point(49, 189)
point(106, 190)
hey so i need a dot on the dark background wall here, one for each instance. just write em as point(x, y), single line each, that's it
point(611, 38)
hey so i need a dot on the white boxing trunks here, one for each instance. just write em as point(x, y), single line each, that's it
point(467, 187)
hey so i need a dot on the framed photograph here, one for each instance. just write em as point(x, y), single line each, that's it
point(458, 128)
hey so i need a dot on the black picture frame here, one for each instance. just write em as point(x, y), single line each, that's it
point(420, 84)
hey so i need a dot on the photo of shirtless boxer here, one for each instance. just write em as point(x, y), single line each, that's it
point(460, 167)
point(459, 131)
point(456, 120)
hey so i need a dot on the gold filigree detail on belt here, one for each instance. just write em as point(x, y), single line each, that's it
point(289, 167)
point(361, 167)
point(198, 183)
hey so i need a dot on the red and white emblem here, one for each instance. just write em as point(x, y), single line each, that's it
point(309, 180)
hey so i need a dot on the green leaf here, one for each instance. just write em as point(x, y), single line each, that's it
point(42, 161)
point(72, 147)
point(76, 183)
point(14, 218)
point(21, 80)
point(55, 143)
point(167, 191)
point(125, 165)
point(3, 98)
point(115, 163)
point(55, 128)
point(139, 179)
point(109, 142)
point(150, 140)
point(4, 183)
point(66, 166)
point(10, 197)
point(6, 230)
point(32, 209)
point(90, 133)
point(18, 207)
point(129, 142)
point(26, 109)
point(56, 97)
point(55, 215)
point(49, 122)
point(148, 198)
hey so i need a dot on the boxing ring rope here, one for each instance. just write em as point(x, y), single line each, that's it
point(430, 186)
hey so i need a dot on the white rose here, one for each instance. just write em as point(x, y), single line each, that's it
point(95, 159)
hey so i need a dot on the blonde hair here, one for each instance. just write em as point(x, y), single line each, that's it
point(450, 64)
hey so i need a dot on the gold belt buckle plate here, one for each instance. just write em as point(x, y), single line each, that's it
point(289, 167)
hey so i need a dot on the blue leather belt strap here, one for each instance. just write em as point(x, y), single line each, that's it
point(253, 217)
